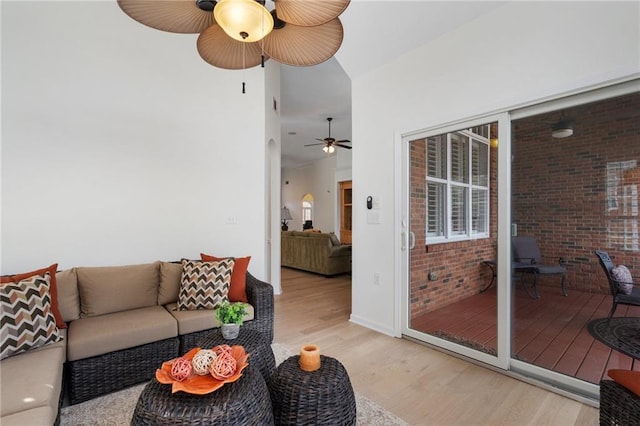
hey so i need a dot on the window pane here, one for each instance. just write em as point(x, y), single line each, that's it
point(479, 220)
point(479, 164)
point(458, 210)
point(459, 158)
point(436, 202)
point(437, 156)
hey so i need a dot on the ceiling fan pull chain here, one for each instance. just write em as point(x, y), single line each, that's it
point(244, 69)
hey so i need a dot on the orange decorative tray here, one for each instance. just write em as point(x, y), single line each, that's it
point(201, 385)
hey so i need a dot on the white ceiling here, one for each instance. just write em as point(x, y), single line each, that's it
point(375, 32)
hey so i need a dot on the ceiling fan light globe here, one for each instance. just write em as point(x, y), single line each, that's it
point(325, 149)
point(243, 20)
point(331, 149)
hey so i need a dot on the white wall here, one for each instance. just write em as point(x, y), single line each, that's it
point(317, 179)
point(121, 145)
point(519, 53)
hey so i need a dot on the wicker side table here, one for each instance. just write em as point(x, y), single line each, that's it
point(254, 343)
point(245, 402)
point(321, 397)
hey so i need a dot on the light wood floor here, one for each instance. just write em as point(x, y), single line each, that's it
point(418, 384)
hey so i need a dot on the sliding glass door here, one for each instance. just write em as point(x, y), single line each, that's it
point(562, 178)
point(451, 225)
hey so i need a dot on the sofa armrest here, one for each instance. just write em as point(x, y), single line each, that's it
point(260, 296)
point(343, 250)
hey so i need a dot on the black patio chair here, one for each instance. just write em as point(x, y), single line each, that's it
point(614, 285)
point(527, 259)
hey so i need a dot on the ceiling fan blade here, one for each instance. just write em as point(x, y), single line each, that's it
point(344, 141)
point(307, 13)
point(174, 16)
point(321, 140)
point(342, 146)
point(304, 46)
point(220, 50)
point(314, 144)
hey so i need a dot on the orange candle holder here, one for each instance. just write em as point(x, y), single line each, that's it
point(309, 358)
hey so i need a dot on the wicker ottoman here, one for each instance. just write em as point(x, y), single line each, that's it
point(254, 343)
point(618, 405)
point(244, 403)
point(321, 397)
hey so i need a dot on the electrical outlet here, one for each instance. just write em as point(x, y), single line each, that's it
point(376, 278)
point(433, 276)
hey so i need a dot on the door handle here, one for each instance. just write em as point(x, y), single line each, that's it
point(412, 240)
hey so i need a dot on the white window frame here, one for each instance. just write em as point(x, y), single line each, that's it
point(469, 233)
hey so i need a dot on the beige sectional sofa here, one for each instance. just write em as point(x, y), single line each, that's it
point(316, 252)
point(122, 324)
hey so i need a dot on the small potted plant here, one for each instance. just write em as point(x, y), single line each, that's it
point(230, 316)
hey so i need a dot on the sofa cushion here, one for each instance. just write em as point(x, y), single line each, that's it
point(35, 378)
point(201, 319)
point(121, 330)
point(334, 239)
point(204, 285)
point(53, 288)
point(627, 378)
point(108, 289)
point(170, 275)
point(27, 320)
point(68, 297)
point(238, 286)
point(40, 416)
point(625, 282)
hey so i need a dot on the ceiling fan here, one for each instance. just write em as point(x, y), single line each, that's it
point(239, 34)
point(329, 142)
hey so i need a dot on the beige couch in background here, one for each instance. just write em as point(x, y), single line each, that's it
point(316, 252)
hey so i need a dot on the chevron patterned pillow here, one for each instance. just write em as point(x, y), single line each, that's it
point(204, 285)
point(27, 320)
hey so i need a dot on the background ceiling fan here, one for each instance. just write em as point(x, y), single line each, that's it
point(329, 142)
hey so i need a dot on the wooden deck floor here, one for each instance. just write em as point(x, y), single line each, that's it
point(549, 332)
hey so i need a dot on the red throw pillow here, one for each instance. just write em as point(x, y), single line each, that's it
point(53, 288)
point(238, 288)
point(627, 378)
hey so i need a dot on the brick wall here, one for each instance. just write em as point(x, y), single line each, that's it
point(560, 187)
point(456, 265)
point(560, 196)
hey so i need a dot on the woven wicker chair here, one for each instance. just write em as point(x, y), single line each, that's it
point(618, 405)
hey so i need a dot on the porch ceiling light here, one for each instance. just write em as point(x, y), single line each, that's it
point(562, 129)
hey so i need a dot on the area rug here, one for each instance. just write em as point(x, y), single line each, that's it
point(116, 409)
point(619, 333)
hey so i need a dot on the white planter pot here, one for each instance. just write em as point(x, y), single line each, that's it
point(230, 331)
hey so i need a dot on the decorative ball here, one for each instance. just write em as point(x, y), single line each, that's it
point(224, 366)
point(202, 361)
point(181, 369)
point(222, 348)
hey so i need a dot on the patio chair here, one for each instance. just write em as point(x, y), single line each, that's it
point(614, 285)
point(527, 259)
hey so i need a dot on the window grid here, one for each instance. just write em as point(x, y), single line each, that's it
point(458, 185)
